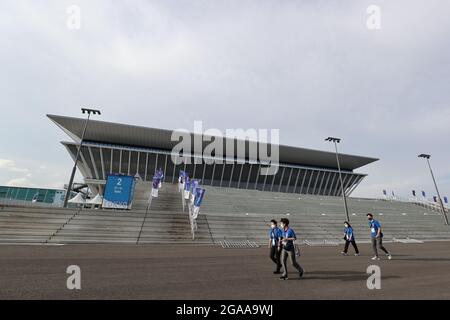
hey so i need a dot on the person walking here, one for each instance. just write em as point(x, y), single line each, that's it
point(275, 235)
point(349, 237)
point(288, 249)
point(376, 237)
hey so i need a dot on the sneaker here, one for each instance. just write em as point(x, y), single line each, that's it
point(375, 258)
point(344, 253)
point(300, 274)
point(283, 278)
point(356, 254)
point(389, 257)
point(276, 272)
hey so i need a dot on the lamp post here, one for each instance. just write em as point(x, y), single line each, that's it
point(69, 186)
point(427, 157)
point(336, 141)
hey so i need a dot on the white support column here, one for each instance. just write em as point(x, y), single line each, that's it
point(273, 180)
point(338, 190)
point(332, 184)
point(223, 170)
point(325, 174)
point(165, 168)
point(120, 161)
point(111, 164)
point(129, 161)
point(146, 166)
point(156, 163)
point(281, 180)
point(303, 180)
point(231, 176)
point(88, 170)
point(103, 164)
point(212, 176)
point(289, 179)
point(296, 180)
point(310, 180)
point(326, 183)
point(240, 175)
point(204, 170)
point(137, 165)
point(264, 184)
point(349, 183)
point(93, 163)
point(174, 171)
point(315, 182)
point(195, 167)
point(258, 170)
point(350, 177)
point(355, 185)
point(249, 175)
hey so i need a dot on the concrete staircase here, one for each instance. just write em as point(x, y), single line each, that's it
point(226, 214)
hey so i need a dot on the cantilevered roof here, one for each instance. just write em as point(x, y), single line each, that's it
point(137, 136)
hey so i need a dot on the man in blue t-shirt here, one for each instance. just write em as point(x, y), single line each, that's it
point(288, 249)
point(275, 235)
point(377, 237)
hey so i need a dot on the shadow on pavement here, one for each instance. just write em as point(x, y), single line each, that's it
point(337, 275)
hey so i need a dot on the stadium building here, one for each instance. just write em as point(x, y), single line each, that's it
point(133, 150)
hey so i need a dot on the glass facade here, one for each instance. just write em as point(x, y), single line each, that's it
point(31, 194)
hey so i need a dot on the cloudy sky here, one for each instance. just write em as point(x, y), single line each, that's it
point(310, 68)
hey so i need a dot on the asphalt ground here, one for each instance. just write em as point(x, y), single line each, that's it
point(417, 271)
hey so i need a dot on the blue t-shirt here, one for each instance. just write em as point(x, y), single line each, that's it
point(349, 232)
point(374, 225)
point(289, 233)
point(274, 235)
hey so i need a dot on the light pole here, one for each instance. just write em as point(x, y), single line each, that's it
point(427, 157)
point(69, 186)
point(336, 141)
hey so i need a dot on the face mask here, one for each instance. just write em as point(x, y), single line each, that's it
point(370, 219)
point(345, 225)
point(282, 226)
point(272, 226)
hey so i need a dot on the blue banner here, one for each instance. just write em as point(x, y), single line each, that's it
point(434, 198)
point(194, 185)
point(199, 197)
point(414, 193)
point(119, 191)
point(445, 199)
point(423, 194)
point(384, 192)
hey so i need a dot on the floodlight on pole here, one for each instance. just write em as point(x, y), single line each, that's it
point(441, 204)
point(336, 141)
point(74, 169)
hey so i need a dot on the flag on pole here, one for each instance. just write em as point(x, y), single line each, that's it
point(197, 202)
point(155, 186)
point(193, 189)
point(187, 187)
point(423, 194)
point(181, 180)
point(160, 175)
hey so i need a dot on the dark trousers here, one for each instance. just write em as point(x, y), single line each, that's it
point(347, 243)
point(275, 256)
point(284, 255)
point(378, 242)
